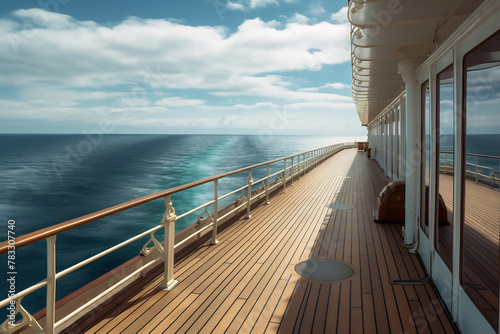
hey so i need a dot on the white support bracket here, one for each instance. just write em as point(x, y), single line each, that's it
point(15, 308)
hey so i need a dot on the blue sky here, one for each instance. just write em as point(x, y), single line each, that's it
point(192, 66)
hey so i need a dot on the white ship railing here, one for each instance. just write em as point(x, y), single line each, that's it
point(474, 171)
point(299, 164)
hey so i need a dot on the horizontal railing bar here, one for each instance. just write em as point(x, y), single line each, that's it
point(233, 210)
point(70, 224)
point(192, 235)
point(281, 171)
point(232, 192)
point(258, 181)
point(257, 195)
point(475, 155)
point(479, 166)
point(102, 294)
point(106, 252)
point(23, 293)
point(271, 187)
point(195, 209)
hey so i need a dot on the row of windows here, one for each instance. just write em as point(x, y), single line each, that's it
point(480, 165)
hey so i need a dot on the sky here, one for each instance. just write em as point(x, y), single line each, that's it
point(192, 66)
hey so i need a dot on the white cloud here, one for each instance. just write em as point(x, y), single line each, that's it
point(321, 105)
point(262, 3)
point(335, 85)
point(61, 68)
point(179, 102)
point(62, 96)
point(249, 4)
point(340, 16)
point(166, 54)
point(235, 6)
point(316, 9)
point(298, 18)
point(258, 105)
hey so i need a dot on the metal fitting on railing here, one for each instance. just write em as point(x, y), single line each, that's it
point(10, 326)
point(156, 245)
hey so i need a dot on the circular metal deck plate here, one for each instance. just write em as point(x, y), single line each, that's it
point(324, 270)
point(340, 206)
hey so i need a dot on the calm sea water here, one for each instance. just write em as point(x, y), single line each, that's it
point(48, 179)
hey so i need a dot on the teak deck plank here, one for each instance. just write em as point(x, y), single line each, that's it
point(247, 282)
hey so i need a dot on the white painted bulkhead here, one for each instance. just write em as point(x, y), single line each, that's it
point(400, 164)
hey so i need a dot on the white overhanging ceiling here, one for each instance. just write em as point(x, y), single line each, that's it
point(384, 32)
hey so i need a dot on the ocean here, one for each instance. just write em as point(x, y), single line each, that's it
point(49, 179)
point(487, 144)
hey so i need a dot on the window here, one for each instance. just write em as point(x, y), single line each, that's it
point(425, 154)
point(480, 179)
point(445, 135)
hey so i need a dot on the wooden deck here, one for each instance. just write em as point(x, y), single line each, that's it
point(247, 282)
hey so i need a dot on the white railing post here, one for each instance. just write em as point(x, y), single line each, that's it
point(477, 172)
point(249, 198)
point(214, 240)
point(50, 318)
point(284, 175)
point(168, 246)
point(303, 165)
point(445, 163)
point(306, 162)
point(298, 165)
point(293, 171)
point(267, 185)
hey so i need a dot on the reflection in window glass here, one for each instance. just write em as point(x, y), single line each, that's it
point(481, 218)
point(445, 147)
point(426, 135)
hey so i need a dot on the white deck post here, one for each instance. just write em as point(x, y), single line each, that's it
point(407, 69)
point(168, 246)
point(249, 198)
point(284, 175)
point(214, 240)
point(267, 185)
point(390, 168)
point(402, 146)
point(50, 319)
point(396, 143)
